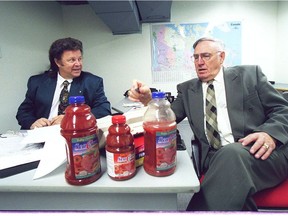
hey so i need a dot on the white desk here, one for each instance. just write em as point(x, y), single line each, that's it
point(281, 86)
point(143, 192)
point(125, 105)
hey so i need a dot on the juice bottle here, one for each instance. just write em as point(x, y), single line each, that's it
point(79, 128)
point(120, 153)
point(159, 137)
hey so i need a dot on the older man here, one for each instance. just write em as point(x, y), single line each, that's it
point(243, 135)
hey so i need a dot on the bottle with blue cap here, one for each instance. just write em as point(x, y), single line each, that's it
point(79, 128)
point(160, 128)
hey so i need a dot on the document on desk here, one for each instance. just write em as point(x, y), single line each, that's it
point(14, 153)
point(134, 119)
point(53, 154)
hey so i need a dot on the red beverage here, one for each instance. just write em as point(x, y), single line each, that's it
point(79, 128)
point(159, 137)
point(120, 153)
point(160, 148)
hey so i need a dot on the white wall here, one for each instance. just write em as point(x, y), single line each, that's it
point(28, 29)
point(119, 59)
point(282, 43)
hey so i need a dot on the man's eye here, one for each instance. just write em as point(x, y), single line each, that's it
point(206, 55)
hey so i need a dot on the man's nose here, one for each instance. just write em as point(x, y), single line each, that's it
point(78, 62)
point(200, 61)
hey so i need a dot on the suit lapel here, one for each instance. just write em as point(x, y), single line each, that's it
point(76, 88)
point(234, 97)
point(48, 89)
point(196, 109)
point(46, 92)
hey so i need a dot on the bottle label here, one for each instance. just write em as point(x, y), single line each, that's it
point(86, 156)
point(166, 149)
point(120, 164)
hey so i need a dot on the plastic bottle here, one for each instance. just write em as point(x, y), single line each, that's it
point(120, 153)
point(79, 128)
point(159, 137)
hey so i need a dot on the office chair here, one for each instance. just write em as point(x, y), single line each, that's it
point(275, 198)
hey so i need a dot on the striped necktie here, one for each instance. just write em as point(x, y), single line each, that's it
point(211, 117)
point(63, 98)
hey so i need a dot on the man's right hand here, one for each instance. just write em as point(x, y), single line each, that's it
point(140, 92)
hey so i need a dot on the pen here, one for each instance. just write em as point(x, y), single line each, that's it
point(137, 90)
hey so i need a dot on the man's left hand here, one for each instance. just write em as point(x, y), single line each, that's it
point(57, 120)
point(263, 145)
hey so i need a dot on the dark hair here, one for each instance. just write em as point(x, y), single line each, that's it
point(220, 43)
point(58, 47)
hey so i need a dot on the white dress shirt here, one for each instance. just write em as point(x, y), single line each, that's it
point(224, 126)
point(56, 101)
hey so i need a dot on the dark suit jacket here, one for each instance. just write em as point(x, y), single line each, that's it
point(39, 96)
point(252, 102)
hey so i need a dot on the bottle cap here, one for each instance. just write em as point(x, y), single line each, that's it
point(158, 95)
point(118, 119)
point(76, 99)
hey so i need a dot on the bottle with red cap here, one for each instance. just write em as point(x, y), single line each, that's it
point(120, 153)
point(79, 128)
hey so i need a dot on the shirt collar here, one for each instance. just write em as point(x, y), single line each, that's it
point(219, 77)
point(60, 79)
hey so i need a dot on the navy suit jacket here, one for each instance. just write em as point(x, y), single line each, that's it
point(253, 105)
point(40, 93)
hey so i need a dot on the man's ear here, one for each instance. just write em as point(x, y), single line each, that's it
point(58, 62)
point(222, 55)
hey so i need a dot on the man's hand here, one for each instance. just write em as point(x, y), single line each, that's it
point(57, 120)
point(263, 145)
point(140, 92)
point(42, 122)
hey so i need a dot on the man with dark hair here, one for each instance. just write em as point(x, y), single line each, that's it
point(240, 123)
point(42, 106)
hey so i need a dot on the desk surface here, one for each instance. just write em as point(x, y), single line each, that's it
point(142, 192)
point(184, 180)
point(280, 86)
point(125, 105)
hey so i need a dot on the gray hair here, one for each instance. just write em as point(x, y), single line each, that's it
point(219, 43)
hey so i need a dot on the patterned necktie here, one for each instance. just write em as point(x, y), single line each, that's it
point(211, 117)
point(63, 98)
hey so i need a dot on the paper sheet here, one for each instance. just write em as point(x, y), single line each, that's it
point(54, 153)
point(13, 152)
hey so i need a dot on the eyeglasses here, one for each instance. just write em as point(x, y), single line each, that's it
point(204, 56)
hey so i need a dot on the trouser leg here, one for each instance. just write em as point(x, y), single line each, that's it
point(234, 175)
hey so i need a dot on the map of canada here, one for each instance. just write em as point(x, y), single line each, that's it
point(172, 47)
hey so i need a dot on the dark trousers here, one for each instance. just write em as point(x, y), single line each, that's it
point(233, 175)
